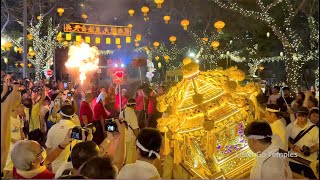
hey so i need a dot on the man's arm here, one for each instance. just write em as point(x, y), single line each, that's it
point(6, 109)
point(55, 152)
point(43, 95)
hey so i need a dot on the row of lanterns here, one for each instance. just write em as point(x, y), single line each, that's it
point(61, 11)
point(18, 64)
point(184, 23)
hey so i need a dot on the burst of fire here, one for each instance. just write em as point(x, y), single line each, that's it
point(83, 57)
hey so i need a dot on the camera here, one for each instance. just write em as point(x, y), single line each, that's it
point(306, 150)
point(76, 132)
point(111, 125)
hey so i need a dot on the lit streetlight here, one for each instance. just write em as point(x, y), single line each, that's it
point(192, 54)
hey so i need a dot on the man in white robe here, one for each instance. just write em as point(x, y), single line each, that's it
point(270, 164)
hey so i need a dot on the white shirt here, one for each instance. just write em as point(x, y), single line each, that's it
point(309, 139)
point(139, 170)
point(62, 168)
point(273, 99)
point(131, 118)
point(56, 135)
point(280, 135)
point(269, 167)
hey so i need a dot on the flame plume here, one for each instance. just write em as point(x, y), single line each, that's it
point(83, 57)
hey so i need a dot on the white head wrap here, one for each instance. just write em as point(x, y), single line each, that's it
point(272, 110)
point(258, 137)
point(146, 150)
point(63, 114)
point(102, 96)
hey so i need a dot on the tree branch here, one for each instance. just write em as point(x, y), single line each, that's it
point(273, 4)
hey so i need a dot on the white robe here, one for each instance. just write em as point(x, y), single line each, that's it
point(269, 167)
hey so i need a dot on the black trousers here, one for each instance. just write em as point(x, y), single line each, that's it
point(98, 136)
point(299, 168)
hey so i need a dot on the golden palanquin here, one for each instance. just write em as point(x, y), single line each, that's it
point(204, 124)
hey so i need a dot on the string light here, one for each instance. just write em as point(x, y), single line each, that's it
point(295, 54)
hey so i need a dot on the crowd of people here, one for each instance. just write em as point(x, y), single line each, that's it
point(61, 130)
point(294, 125)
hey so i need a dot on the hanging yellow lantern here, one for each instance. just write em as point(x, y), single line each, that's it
point(5, 59)
point(84, 16)
point(32, 54)
point(261, 68)
point(145, 10)
point(20, 50)
point(219, 25)
point(185, 23)
point(156, 44)
point(131, 12)
point(7, 46)
point(108, 41)
point(87, 39)
point(98, 40)
point(29, 65)
point(60, 11)
point(65, 43)
point(59, 39)
point(173, 39)
point(138, 37)
point(205, 40)
point(215, 45)
point(159, 2)
point(159, 65)
point(21, 64)
point(157, 58)
point(17, 64)
point(166, 58)
point(136, 44)
point(29, 36)
point(130, 25)
point(15, 49)
point(39, 18)
point(119, 46)
point(30, 49)
point(166, 19)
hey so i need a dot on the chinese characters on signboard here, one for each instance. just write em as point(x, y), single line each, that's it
point(97, 29)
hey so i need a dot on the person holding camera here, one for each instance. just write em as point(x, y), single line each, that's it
point(129, 115)
point(303, 140)
point(56, 134)
point(267, 164)
point(9, 100)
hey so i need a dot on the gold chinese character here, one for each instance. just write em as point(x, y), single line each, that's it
point(106, 31)
point(91, 29)
point(127, 31)
point(67, 27)
point(114, 31)
point(84, 28)
point(120, 31)
point(98, 30)
point(77, 28)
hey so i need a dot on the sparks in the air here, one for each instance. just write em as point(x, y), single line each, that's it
point(83, 57)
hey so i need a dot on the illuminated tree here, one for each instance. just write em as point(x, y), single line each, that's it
point(298, 48)
point(43, 45)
